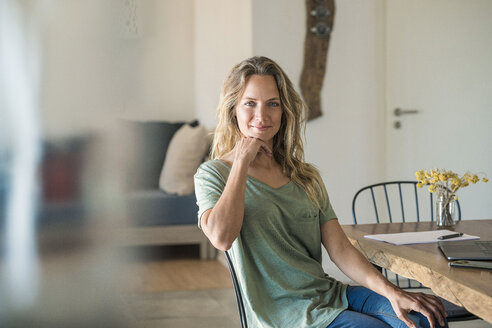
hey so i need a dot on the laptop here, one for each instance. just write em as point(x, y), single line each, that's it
point(467, 249)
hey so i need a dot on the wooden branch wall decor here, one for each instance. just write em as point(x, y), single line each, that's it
point(319, 24)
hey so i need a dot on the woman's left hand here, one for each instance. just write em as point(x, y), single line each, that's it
point(429, 305)
point(356, 267)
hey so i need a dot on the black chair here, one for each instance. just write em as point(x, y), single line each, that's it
point(391, 202)
point(237, 290)
point(390, 208)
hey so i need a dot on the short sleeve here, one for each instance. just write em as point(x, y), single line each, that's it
point(210, 181)
point(327, 213)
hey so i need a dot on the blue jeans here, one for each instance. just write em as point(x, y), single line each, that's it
point(368, 309)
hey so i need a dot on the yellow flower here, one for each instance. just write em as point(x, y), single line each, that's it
point(455, 197)
point(466, 176)
point(446, 182)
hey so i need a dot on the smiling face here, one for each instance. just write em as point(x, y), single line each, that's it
point(259, 111)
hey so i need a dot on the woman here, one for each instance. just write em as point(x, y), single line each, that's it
point(262, 202)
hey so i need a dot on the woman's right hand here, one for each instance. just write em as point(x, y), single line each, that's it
point(222, 224)
point(249, 147)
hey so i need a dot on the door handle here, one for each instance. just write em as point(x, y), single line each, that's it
point(399, 111)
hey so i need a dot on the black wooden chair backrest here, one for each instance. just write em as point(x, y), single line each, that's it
point(237, 290)
point(402, 201)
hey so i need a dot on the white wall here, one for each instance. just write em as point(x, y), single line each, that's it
point(278, 33)
point(167, 66)
point(445, 71)
point(76, 86)
point(93, 68)
point(347, 142)
point(223, 37)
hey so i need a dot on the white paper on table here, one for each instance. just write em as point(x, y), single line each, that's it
point(420, 237)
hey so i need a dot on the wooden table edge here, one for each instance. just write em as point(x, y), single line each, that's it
point(455, 292)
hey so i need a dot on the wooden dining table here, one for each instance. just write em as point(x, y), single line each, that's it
point(467, 287)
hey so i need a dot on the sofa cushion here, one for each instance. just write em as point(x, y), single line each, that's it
point(184, 155)
point(151, 143)
point(157, 208)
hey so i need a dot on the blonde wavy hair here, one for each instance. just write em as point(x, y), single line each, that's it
point(288, 149)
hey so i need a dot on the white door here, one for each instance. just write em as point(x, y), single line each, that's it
point(439, 62)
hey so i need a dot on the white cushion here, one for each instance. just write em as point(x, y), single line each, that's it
point(184, 155)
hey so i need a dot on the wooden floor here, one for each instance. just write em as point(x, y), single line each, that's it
point(156, 274)
point(184, 278)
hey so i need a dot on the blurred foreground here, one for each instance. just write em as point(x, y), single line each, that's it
point(73, 268)
point(61, 166)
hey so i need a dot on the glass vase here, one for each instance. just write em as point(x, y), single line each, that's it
point(445, 212)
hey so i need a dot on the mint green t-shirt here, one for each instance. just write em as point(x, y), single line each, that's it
point(277, 255)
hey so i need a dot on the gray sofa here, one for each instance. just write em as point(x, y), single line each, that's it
point(157, 217)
